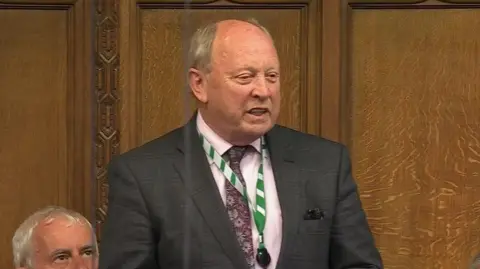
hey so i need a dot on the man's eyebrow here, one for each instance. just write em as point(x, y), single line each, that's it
point(86, 247)
point(246, 68)
point(272, 69)
point(60, 251)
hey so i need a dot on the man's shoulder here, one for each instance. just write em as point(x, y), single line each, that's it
point(312, 151)
point(164, 145)
point(303, 140)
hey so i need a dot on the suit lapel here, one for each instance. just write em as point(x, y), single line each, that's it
point(193, 167)
point(286, 175)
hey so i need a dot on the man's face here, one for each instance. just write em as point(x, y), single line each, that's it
point(63, 244)
point(243, 88)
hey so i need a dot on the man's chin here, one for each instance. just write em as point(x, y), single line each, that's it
point(258, 129)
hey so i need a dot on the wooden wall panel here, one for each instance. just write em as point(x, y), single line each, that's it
point(152, 61)
point(151, 97)
point(394, 80)
point(412, 106)
point(45, 137)
point(163, 90)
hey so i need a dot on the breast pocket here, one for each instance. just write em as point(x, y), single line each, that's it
point(315, 226)
point(315, 221)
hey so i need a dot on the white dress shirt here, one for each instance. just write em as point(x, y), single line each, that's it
point(249, 165)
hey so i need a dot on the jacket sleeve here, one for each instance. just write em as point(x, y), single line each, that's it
point(352, 243)
point(127, 239)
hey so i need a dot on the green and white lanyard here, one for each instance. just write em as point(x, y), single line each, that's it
point(259, 211)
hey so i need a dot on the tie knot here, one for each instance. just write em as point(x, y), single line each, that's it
point(236, 153)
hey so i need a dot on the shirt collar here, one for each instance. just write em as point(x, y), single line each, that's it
point(218, 143)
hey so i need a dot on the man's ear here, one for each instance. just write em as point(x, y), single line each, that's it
point(197, 82)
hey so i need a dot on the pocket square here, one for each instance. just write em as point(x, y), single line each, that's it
point(313, 214)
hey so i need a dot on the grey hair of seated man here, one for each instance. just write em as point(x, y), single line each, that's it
point(22, 239)
point(475, 262)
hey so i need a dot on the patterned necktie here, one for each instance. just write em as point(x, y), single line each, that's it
point(237, 206)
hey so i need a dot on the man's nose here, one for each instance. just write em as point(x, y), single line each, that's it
point(262, 89)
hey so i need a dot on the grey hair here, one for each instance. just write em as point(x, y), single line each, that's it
point(22, 239)
point(200, 51)
point(475, 262)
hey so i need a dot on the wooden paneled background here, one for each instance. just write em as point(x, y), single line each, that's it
point(45, 111)
point(413, 99)
point(397, 81)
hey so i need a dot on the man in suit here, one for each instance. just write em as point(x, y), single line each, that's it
point(230, 189)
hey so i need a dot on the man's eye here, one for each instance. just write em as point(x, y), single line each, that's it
point(245, 76)
point(272, 77)
point(243, 79)
point(61, 258)
point(88, 253)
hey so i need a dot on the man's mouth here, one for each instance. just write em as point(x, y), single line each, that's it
point(258, 111)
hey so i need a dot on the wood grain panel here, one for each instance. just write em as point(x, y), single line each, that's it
point(140, 65)
point(152, 38)
point(33, 131)
point(163, 65)
point(45, 134)
point(414, 102)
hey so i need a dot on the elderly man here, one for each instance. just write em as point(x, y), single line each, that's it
point(231, 189)
point(55, 237)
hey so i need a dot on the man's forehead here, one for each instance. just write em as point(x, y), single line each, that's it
point(229, 24)
point(238, 38)
point(230, 29)
point(60, 221)
point(58, 228)
point(61, 236)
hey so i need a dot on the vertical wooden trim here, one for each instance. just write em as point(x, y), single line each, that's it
point(73, 62)
point(107, 99)
point(310, 79)
point(129, 75)
point(331, 70)
point(345, 103)
point(79, 158)
point(86, 38)
point(78, 108)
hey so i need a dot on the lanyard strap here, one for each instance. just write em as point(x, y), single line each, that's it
point(259, 211)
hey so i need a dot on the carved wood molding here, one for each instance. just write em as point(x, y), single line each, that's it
point(414, 2)
point(107, 99)
point(399, 4)
point(216, 3)
point(37, 4)
point(107, 64)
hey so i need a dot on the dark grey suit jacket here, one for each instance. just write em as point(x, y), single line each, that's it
point(165, 210)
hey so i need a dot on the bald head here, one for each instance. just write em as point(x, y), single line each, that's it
point(234, 38)
point(240, 30)
point(201, 44)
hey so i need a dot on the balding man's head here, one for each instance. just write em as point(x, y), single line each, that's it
point(235, 77)
point(234, 37)
point(201, 44)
